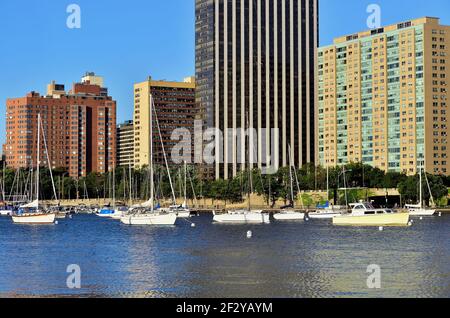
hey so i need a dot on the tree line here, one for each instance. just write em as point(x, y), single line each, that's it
point(355, 177)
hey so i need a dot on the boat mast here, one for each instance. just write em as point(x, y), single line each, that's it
point(420, 188)
point(152, 190)
point(185, 185)
point(290, 176)
point(38, 158)
point(131, 184)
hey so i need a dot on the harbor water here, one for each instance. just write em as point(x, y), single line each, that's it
point(299, 259)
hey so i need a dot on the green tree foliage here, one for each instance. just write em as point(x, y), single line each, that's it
point(272, 187)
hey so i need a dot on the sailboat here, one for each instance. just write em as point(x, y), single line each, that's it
point(420, 209)
point(32, 213)
point(146, 214)
point(290, 214)
point(182, 211)
point(246, 215)
point(327, 211)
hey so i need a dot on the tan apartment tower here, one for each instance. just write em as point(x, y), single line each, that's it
point(175, 109)
point(383, 98)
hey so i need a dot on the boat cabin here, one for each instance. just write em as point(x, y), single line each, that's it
point(366, 208)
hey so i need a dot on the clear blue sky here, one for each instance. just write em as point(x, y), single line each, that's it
point(125, 41)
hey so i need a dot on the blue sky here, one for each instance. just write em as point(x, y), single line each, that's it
point(125, 41)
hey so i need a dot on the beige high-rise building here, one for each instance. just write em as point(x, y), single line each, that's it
point(383, 98)
point(125, 144)
point(175, 108)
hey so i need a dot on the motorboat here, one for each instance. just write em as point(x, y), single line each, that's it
point(327, 211)
point(364, 214)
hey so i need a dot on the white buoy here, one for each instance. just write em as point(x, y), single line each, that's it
point(381, 228)
point(440, 214)
point(193, 225)
point(410, 223)
point(421, 218)
point(249, 234)
point(307, 219)
point(56, 222)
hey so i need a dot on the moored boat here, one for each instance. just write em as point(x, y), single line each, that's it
point(242, 216)
point(364, 214)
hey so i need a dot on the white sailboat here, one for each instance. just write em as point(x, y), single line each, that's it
point(146, 214)
point(32, 213)
point(246, 215)
point(328, 211)
point(290, 214)
point(420, 209)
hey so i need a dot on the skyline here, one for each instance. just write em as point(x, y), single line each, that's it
point(65, 54)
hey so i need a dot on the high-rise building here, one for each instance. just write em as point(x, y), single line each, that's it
point(383, 98)
point(125, 144)
point(174, 103)
point(255, 69)
point(79, 129)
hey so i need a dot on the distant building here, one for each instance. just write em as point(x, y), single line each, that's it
point(175, 109)
point(383, 98)
point(79, 128)
point(125, 144)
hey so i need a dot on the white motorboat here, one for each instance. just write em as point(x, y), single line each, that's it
point(242, 216)
point(364, 214)
point(327, 213)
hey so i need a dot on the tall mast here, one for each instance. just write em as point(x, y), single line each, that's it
point(131, 185)
point(38, 157)
point(185, 184)
point(152, 190)
point(420, 187)
point(290, 176)
point(328, 183)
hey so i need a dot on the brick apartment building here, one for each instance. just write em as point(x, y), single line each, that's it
point(79, 128)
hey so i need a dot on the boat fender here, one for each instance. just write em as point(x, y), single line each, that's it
point(440, 214)
point(410, 223)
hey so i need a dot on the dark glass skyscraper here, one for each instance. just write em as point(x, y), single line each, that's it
point(256, 68)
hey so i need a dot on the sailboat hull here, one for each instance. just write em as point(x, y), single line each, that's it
point(392, 219)
point(289, 216)
point(242, 218)
point(6, 213)
point(422, 212)
point(44, 218)
point(150, 219)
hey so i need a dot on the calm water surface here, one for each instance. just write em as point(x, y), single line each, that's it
point(311, 259)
